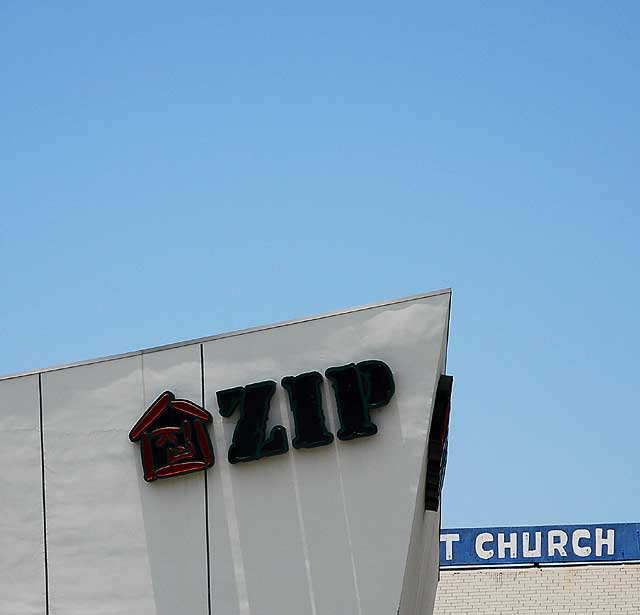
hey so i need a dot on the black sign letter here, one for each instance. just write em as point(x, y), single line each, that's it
point(305, 399)
point(438, 436)
point(250, 440)
point(359, 388)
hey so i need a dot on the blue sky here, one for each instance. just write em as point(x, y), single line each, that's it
point(173, 171)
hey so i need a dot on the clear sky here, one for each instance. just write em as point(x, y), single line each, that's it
point(173, 170)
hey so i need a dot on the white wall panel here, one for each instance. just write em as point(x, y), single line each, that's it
point(327, 530)
point(174, 509)
point(97, 543)
point(277, 503)
point(101, 512)
point(421, 571)
point(22, 588)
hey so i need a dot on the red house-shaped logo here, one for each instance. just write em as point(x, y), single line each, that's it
point(173, 438)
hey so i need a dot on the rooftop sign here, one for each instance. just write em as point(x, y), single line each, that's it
point(543, 544)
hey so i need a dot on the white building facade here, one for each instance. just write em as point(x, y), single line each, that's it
point(293, 468)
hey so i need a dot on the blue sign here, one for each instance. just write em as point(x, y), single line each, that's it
point(542, 544)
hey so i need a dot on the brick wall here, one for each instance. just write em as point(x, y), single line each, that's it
point(548, 590)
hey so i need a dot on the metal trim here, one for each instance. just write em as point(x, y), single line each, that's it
point(202, 340)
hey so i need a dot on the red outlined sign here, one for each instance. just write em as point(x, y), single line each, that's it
point(173, 438)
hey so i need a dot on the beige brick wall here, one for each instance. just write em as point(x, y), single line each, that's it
point(549, 590)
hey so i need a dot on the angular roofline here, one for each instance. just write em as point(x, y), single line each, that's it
point(202, 340)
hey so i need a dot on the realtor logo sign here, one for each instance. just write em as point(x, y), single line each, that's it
point(174, 439)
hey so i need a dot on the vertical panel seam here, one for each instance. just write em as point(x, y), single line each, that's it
point(44, 500)
point(206, 493)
